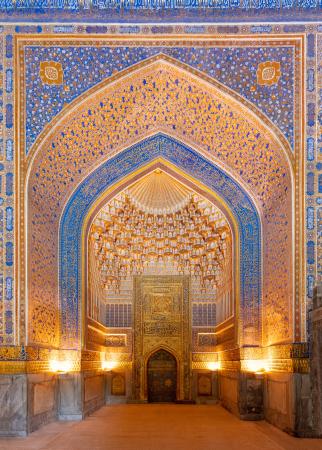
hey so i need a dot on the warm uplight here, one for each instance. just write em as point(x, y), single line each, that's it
point(256, 365)
point(60, 366)
point(214, 365)
point(109, 365)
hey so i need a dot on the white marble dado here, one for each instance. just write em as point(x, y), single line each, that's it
point(228, 391)
point(44, 398)
point(94, 392)
point(42, 403)
point(70, 396)
point(94, 387)
point(288, 401)
point(13, 405)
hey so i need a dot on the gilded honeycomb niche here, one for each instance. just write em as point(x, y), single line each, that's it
point(160, 276)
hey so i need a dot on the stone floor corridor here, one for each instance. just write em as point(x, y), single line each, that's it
point(160, 427)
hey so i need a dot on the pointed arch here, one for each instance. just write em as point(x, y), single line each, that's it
point(160, 97)
point(82, 203)
point(178, 368)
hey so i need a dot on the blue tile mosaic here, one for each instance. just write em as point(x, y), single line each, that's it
point(9, 288)
point(294, 28)
point(310, 218)
point(28, 29)
point(310, 183)
point(64, 29)
point(9, 218)
point(9, 80)
point(311, 114)
point(310, 285)
point(310, 80)
point(9, 184)
point(9, 46)
point(86, 66)
point(159, 10)
point(9, 253)
point(310, 144)
point(310, 249)
point(9, 321)
point(311, 45)
point(9, 150)
point(261, 29)
point(9, 115)
point(320, 184)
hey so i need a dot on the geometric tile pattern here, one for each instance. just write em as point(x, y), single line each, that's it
point(203, 315)
point(85, 66)
point(31, 11)
point(7, 212)
point(313, 218)
point(119, 315)
point(198, 113)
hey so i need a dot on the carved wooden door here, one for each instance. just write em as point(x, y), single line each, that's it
point(162, 377)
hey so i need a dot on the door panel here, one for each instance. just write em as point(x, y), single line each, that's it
point(162, 377)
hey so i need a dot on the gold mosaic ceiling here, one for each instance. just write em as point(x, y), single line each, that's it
point(160, 219)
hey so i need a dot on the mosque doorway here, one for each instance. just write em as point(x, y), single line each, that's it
point(162, 377)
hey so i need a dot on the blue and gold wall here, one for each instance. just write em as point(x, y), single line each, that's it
point(80, 89)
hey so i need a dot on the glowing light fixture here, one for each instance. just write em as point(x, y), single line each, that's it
point(109, 365)
point(255, 365)
point(60, 366)
point(214, 365)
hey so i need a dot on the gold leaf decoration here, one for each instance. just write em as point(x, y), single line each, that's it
point(268, 73)
point(51, 72)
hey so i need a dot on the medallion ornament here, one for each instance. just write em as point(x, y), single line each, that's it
point(206, 339)
point(268, 73)
point(51, 72)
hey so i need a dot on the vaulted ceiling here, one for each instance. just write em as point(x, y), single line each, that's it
point(160, 219)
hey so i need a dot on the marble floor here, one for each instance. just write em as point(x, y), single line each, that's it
point(159, 427)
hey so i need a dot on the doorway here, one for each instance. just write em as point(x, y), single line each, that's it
point(162, 377)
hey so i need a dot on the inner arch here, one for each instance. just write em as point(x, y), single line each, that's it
point(159, 225)
point(190, 164)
